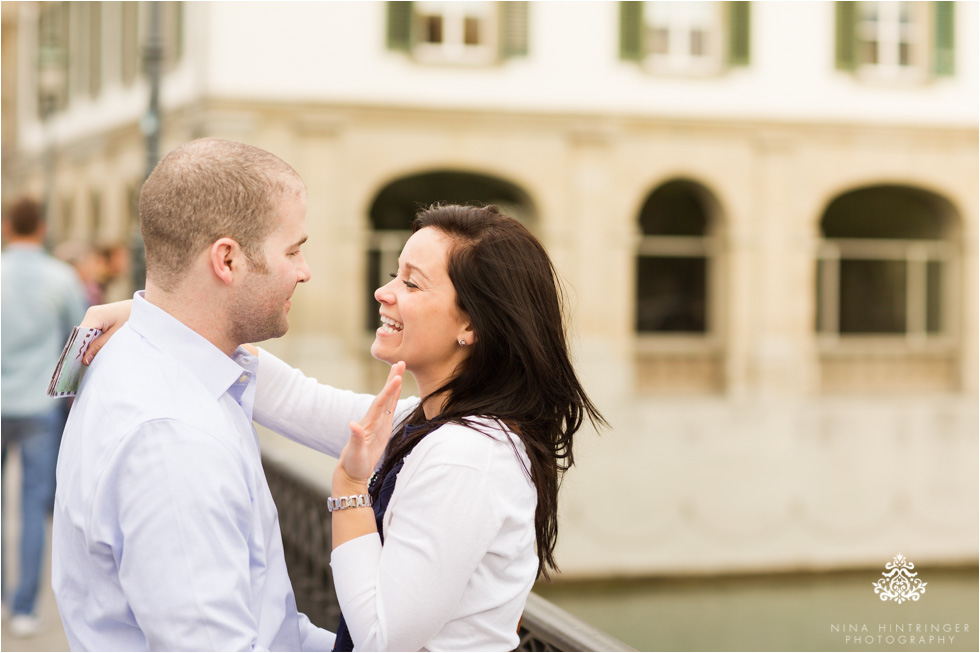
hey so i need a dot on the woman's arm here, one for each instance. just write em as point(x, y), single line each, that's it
point(286, 401)
point(308, 412)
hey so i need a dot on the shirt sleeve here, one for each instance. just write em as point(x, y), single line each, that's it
point(175, 506)
point(313, 638)
point(399, 596)
point(306, 411)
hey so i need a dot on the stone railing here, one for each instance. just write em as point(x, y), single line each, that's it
point(305, 524)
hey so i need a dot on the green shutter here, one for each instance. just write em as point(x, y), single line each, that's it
point(513, 29)
point(846, 50)
point(630, 30)
point(400, 26)
point(945, 29)
point(739, 42)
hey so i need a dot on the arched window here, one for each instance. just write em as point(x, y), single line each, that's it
point(677, 303)
point(673, 261)
point(394, 208)
point(884, 264)
point(886, 284)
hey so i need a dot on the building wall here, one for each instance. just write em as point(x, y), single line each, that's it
point(762, 467)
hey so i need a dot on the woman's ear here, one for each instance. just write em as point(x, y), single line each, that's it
point(224, 256)
point(468, 334)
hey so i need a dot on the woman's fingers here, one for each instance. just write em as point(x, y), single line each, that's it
point(99, 343)
point(393, 387)
point(395, 370)
point(356, 460)
point(359, 435)
point(370, 436)
point(93, 348)
point(108, 318)
point(383, 406)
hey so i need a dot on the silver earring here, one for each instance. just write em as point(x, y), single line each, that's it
point(462, 343)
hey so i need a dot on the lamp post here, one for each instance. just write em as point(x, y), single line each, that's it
point(149, 126)
point(51, 82)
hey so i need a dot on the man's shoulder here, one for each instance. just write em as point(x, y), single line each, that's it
point(135, 377)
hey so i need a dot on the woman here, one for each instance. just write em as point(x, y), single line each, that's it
point(464, 514)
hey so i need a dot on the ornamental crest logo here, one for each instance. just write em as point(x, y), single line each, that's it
point(899, 583)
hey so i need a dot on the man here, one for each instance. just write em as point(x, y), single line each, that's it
point(165, 533)
point(42, 299)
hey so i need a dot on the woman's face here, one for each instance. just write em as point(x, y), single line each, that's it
point(420, 322)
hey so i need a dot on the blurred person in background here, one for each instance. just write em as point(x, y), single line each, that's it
point(42, 299)
point(90, 266)
point(115, 281)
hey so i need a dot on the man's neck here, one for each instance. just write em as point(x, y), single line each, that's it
point(195, 311)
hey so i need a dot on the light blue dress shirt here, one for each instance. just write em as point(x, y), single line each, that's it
point(42, 299)
point(165, 533)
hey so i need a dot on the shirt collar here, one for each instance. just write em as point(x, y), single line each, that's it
point(216, 371)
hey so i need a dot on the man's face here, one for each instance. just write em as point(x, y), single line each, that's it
point(261, 307)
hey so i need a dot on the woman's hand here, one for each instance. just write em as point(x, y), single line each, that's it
point(368, 438)
point(108, 317)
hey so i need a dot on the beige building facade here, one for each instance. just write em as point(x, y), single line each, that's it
point(772, 300)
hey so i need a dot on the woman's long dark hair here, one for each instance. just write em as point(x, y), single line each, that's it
point(518, 371)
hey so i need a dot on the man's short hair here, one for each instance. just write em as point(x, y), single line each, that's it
point(25, 216)
point(206, 190)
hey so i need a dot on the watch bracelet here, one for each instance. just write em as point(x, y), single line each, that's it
point(350, 501)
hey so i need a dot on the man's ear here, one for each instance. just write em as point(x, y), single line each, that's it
point(225, 255)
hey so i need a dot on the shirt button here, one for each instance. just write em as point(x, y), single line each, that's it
point(243, 378)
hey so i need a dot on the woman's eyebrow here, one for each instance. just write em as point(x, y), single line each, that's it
point(416, 269)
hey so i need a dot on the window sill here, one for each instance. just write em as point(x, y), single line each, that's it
point(678, 364)
point(888, 366)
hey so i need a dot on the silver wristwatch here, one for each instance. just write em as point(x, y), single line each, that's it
point(352, 501)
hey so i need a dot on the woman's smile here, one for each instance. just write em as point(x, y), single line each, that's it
point(389, 326)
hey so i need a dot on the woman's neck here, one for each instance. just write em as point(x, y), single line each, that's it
point(433, 406)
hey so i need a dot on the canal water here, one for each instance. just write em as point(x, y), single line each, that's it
point(807, 612)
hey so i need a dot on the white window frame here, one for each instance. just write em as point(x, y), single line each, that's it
point(678, 60)
point(705, 247)
point(888, 31)
point(916, 254)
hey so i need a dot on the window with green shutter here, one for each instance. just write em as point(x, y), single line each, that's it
point(739, 43)
point(458, 32)
point(895, 41)
point(944, 42)
point(685, 38)
point(400, 26)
